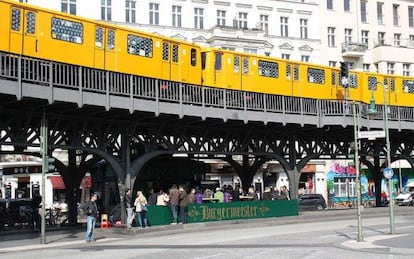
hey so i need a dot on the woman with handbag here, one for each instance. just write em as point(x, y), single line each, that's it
point(141, 210)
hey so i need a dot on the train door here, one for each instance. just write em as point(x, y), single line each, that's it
point(23, 31)
point(105, 54)
point(391, 90)
point(246, 74)
point(219, 74)
point(237, 71)
point(170, 65)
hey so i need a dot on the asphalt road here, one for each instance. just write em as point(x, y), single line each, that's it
point(325, 234)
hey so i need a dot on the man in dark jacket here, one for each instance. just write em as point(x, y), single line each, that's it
point(174, 199)
point(183, 202)
point(91, 210)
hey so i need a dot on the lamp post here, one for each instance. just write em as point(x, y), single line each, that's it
point(360, 236)
point(388, 147)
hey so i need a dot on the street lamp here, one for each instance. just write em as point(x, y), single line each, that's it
point(387, 144)
point(360, 236)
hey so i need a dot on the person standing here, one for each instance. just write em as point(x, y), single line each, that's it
point(174, 199)
point(35, 205)
point(219, 195)
point(141, 209)
point(162, 198)
point(91, 210)
point(129, 208)
point(191, 196)
point(183, 204)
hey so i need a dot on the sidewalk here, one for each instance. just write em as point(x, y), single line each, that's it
point(377, 241)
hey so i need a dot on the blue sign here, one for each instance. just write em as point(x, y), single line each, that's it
point(388, 173)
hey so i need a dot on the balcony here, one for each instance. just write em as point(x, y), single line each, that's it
point(353, 49)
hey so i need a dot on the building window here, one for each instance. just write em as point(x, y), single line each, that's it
point(284, 27)
point(366, 67)
point(250, 50)
point(363, 9)
point(381, 38)
point(286, 56)
point(332, 63)
point(390, 68)
point(364, 37)
point(303, 28)
point(264, 23)
point(305, 58)
point(380, 15)
point(406, 69)
point(329, 4)
point(176, 16)
point(154, 13)
point(397, 39)
point(221, 18)
point(130, 11)
point(411, 16)
point(348, 35)
point(347, 7)
point(395, 15)
point(331, 36)
point(229, 48)
point(198, 18)
point(106, 10)
point(242, 20)
point(68, 6)
point(344, 187)
point(376, 68)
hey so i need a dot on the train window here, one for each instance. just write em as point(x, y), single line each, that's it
point(316, 76)
point(31, 23)
point(165, 51)
point(111, 39)
point(391, 83)
point(372, 83)
point(175, 53)
point(193, 57)
point(333, 78)
point(217, 64)
point(15, 22)
point(268, 69)
point(203, 60)
point(139, 46)
point(245, 65)
point(353, 81)
point(288, 71)
point(67, 30)
point(296, 72)
point(236, 67)
point(408, 86)
point(99, 37)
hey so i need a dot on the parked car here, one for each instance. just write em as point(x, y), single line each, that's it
point(406, 197)
point(312, 201)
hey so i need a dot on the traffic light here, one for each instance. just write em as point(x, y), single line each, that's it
point(51, 164)
point(344, 69)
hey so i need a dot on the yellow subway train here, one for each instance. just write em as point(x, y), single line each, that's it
point(44, 34)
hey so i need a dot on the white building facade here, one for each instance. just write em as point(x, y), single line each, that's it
point(376, 36)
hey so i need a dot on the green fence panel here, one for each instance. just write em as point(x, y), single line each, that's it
point(205, 212)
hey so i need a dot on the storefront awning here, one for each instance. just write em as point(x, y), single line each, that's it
point(57, 182)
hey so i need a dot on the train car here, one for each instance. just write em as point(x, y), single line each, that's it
point(262, 74)
point(49, 35)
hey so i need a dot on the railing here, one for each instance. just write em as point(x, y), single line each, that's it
point(83, 79)
point(354, 47)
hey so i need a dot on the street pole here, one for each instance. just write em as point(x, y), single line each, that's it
point(387, 140)
point(43, 151)
point(360, 236)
